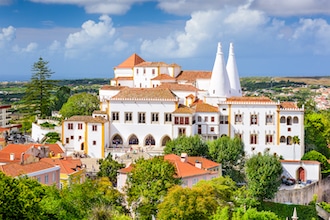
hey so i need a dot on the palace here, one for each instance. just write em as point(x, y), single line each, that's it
point(149, 103)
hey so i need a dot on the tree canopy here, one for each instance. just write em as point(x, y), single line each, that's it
point(109, 168)
point(230, 153)
point(192, 145)
point(80, 104)
point(148, 183)
point(263, 174)
point(37, 98)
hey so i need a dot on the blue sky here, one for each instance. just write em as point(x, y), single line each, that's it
point(88, 38)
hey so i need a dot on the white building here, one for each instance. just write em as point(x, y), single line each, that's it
point(149, 103)
point(4, 115)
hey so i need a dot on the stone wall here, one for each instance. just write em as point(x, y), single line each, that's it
point(304, 194)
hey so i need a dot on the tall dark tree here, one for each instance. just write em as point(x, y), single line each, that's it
point(61, 96)
point(37, 99)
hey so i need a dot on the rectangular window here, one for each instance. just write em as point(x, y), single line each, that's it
point(186, 120)
point(269, 139)
point(205, 119)
point(168, 117)
point(153, 71)
point(137, 71)
point(238, 118)
point(70, 126)
point(115, 116)
point(176, 120)
point(67, 140)
point(212, 119)
point(223, 119)
point(182, 131)
point(142, 117)
point(211, 129)
point(79, 138)
point(71, 137)
point(269, 119)
point(181, 120)
point(94, 142)
point(144, 70)
point(253, 139)
point(254, 119)
point(199, 130)
point(128, 116)
point(80, 126)
point(199, 118)
point(94, 127)
point(154, 117)
point(46, 179)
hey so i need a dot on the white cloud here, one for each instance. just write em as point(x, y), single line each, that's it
point(292, 7)
point(93, 37)
point(7, 35)
point(31, 47)
point(55, 46)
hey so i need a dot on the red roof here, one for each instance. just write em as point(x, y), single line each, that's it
point(68, 165)
point(16, 169)
point(130, 62)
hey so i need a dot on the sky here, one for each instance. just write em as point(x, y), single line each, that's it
point(89, 38)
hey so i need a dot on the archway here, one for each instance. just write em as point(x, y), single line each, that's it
point(165, 140)
point(289, 140)
point(133, 140)
point(289, 120)
point(117, 140)
point(149, 141)
point(301, 174)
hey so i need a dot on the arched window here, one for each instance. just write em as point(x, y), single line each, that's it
point(289, 121)
point(149, 140)
point(117, 140)
point(282, 139)
point(165, 140)
point(295, 120)
point(282, 120)
point(133, 140)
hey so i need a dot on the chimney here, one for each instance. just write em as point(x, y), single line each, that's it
point(198, 164)
point(184, 157)
point(11, 156)
point(22, 158)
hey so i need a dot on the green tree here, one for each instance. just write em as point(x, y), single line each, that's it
point(316, 133)
point(263, 174)
point(253, 214)
point(60, 97)
point(199, 202)
point(37, 98)
point(109, 168)
point(230, 153)
point(20, 198)
point(80, 104)
point(192, 145)
point(316, 156)
point(148, 183)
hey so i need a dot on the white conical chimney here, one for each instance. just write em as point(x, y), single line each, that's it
point(233, 76)
point(219, 85)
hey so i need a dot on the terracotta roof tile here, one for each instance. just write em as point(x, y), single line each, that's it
point(249, 99)
point(178, 87)
point(204, 107)
point(155, 64)
point(288, 105)
point(191, 76)
point(145, 94)
point(126, 169)
point(164, 77)
point(130, 62)
point(182, 109)
point(17, 149)
point(123, 78)
point(87, 118)
point(109, 87)
point(68, 165)
point(16, 169)
point(206, 164)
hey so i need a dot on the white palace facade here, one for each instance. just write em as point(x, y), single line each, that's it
point(149, 103)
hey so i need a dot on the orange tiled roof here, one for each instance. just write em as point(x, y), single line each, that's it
point(145, 94)
point(249, 99)
point(123, 78)
point(16, 169)
point(182, 109)
point(68, 165)
point(20, 148)
point(206, 164)
point(87, 118)
point(132, 61)
point(164, 76)
point(184, 169)
point(204, 107)
point(109, 87)
point(126, 169)
point(304, 161)
point(192, 76)
point(288, 105)
point(178, 87)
